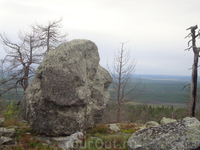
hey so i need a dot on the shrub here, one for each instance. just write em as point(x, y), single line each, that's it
point(10, 113)
point(144, 113)
point(99, 129)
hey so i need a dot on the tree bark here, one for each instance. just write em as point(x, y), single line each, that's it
point(118, 113)
point(193, 92)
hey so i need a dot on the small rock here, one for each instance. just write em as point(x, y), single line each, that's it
point(165, 120)
point(69, 141)
point(23, 121)
point(113, 127)
point(1, 122)
point(7, 132)
point(142, 127)
point(6, 140)
point(152, 124)
point(66, 142)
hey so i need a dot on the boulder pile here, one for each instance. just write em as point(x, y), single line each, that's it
point(6, 135)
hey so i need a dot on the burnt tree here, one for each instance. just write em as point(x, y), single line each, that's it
point(193, 91)
point(50, 34)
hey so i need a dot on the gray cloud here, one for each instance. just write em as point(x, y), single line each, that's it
point(155, 29)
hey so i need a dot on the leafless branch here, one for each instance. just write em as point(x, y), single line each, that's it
point(122, 74)
point(188, 35)
point(187, 49)
point(50, 34)
point(22, 58)
point(185, 86)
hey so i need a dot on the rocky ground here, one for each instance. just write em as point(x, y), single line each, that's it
point(116, 136)
point(22, 137)
point(101, 136)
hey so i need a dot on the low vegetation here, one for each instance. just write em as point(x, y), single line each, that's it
point(141, 113)
point(98, 137)
point(24, 134)
point(133, 116)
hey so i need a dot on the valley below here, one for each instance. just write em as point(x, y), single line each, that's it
point(160, 90)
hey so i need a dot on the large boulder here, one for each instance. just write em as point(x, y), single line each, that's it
point(69, 90)
point(182, 134)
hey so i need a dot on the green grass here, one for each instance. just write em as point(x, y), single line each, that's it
point(100, 137)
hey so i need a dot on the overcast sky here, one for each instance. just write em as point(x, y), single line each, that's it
point(155, 29)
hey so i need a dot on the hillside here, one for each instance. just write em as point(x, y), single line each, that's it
point(157, 90)
point(162, 90)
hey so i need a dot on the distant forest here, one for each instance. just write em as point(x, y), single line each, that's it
point(157, 90)
point(162, 90)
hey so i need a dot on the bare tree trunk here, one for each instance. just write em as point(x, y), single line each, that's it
point(119, 83)
point(193, 92)
point(48, 38)
point(123, 85)
point(26, 77)
point(118, 112)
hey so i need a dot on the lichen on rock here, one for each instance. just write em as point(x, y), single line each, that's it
point(181, 134)
point(69, 90)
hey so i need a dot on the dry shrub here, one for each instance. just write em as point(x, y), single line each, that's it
point(10, 122)
point(98, 128)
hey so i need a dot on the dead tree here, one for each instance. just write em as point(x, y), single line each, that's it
point(23, 58)
point(193, 92)
point(122, 74)
point(50, 34)
point(18, 65)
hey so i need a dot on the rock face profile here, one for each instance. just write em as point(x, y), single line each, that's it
point(183, 134)
point(69, 90)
